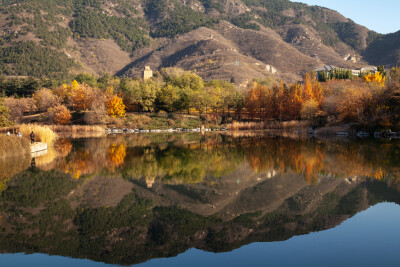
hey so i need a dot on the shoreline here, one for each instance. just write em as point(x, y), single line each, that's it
point(293, 129)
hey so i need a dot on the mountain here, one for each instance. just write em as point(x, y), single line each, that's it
point(240, 39)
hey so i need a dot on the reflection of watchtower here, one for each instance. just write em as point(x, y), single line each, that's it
point(147, 73)
point(149, 182)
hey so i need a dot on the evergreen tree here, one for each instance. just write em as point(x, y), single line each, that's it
point(4, 113)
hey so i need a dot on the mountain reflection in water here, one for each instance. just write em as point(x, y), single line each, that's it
point(129, 199)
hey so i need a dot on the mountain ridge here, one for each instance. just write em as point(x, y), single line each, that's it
point(229, 39)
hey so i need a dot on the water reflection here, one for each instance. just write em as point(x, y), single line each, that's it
point(192, 158)
point(129, 199)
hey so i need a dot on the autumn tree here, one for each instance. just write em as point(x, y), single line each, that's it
point(317, 91)
point(251, 102)
point(294, 101)
point(260, 92)
point(82, 97)
point(377, 77)
point(393, 93)
point(60, 114)
point(309, 109)
point(279, 99)
point(223, 92)
point(77, 96)
point(115, 105)
point(45, 99)
point(19, 106)
point(308, 88)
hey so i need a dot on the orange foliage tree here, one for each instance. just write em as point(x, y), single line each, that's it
point(60, 114)
point(251, 102)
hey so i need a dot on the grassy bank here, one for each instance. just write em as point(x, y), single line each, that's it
point(271, 125)
point(77, 129)
point(42, 133)
point(13, 146)
point(160, 121)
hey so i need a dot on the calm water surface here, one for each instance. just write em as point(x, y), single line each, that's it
point(179, 200)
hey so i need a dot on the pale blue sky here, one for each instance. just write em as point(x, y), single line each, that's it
point(381, 16)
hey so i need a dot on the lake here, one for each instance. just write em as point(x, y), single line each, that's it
point(202, 199)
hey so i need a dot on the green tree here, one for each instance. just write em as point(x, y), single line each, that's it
point(167, 98)
point(381, 70)
point(188, 84)
point(224, 93)
point(4, 113)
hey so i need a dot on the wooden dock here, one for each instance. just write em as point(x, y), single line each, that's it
point(38, 147)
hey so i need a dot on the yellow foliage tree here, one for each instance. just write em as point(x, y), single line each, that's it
point(378, 78)
point(78, 96)
point(115, 106)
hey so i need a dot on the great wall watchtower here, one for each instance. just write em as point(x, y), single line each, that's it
point(147, 73)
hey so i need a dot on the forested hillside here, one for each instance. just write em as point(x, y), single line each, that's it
point(219, 39)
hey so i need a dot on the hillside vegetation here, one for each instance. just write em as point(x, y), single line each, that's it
point(49, 37)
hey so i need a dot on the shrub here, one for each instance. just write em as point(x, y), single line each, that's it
point(60, 115)
point(94, 117)
point(137, 121)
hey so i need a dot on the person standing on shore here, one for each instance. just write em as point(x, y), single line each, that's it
point(32, 135)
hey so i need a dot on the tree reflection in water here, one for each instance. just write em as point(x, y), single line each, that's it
point(128, 199)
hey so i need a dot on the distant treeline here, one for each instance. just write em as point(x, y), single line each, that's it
point(372, 100)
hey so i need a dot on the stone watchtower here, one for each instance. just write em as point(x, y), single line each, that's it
point(147, 73)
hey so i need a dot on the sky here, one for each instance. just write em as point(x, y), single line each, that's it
point(381, 16)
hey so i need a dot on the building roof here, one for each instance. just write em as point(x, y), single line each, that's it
point(369, 68)
point(326, 68)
